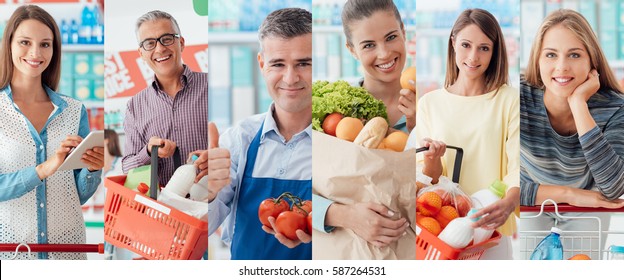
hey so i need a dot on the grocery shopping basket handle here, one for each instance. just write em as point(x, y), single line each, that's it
point(458, 160)
point(177, 162)
point(17, 250)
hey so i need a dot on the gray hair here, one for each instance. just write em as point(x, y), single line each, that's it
point(286, 24)
point(155, 15)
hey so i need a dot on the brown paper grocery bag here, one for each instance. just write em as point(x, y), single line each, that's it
point(347, 173)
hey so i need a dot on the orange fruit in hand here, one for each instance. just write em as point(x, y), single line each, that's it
point(429, 204)
point(396, 141)
point(408, 74)
point(348, 128)
point(579, 257)
point(430, 224)
point(446, 215)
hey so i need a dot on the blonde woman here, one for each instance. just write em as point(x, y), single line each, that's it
point(572, 125)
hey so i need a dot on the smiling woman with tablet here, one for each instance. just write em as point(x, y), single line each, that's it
point(39, 203)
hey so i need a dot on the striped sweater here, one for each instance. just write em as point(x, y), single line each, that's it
point(592, 161)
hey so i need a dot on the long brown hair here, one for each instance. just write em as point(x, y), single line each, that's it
point(497, 73)
point(113, 142)
point(52, 74)
point(579, 26)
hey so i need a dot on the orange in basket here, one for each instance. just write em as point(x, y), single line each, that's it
point(429, 204)
point(446, 215)
point(430, 224)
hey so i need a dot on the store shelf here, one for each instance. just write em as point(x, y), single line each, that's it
point(93, 104)
point(445, 32)
point(82, 48)
point(228, 38)
point(338, 29)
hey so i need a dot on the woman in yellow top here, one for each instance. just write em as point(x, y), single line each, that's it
point(477, 111)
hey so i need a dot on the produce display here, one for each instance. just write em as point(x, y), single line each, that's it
point(288, 217)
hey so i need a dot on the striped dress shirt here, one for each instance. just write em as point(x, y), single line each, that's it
point(182, 119)
point(592, 161)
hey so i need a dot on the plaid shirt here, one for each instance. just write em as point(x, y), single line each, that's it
point(182, 119)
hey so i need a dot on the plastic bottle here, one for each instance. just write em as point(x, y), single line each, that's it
point(616, 253)
point(64, 32)
point(459, 232)
point(97, 26)
point(84, 32)
point(183, 179)
point(484, 198)
point(73, 32)
point(550, 247)
point(199, 191)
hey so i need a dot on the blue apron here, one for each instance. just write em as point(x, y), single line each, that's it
point(250, 242)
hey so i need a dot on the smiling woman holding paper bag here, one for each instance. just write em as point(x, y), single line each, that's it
point(38, 203)
point(364, 197)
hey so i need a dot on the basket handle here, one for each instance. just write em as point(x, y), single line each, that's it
point(177, 162)
point(459, 154)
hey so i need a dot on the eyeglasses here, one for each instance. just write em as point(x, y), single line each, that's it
point(165, 40)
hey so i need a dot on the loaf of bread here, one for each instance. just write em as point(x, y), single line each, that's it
point(373, 133)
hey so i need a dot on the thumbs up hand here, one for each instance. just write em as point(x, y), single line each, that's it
point(218, 163)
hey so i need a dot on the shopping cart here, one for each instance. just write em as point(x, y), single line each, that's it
point(147, 227)
point(574, 242)
point(430, 247)
point(61, 248)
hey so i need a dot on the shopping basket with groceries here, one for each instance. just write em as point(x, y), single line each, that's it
point(148, 227)
point(428, 244)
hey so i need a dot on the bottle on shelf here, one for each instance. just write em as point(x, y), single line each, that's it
point(550, 247)
point(64, 32)
point(73, 32)
point(85, 33)
point(97, 27)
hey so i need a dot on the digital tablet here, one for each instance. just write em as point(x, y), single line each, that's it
point(72, 161)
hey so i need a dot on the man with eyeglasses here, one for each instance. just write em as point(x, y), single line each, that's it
point(173, 110)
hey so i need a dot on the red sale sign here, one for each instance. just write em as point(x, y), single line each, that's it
point(126, 74)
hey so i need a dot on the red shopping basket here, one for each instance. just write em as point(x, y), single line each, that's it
point(430, 247)
point(150, 228)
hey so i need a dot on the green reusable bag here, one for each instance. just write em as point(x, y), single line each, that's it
point(138, 175)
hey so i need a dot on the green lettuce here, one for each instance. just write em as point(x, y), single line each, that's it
point(343, 98)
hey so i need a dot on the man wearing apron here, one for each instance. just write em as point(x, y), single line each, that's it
point(271, 153)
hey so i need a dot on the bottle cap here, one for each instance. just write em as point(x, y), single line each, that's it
point(616, 249)
point(472, 212)
point(498, 188)
point(556, 230)
point(194, 158)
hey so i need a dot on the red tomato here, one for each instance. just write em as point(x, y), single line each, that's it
point(309, 220)
point(288, 222)
point(330, 122)
point(142, 188)
point(271, 208)
point(307, 207)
